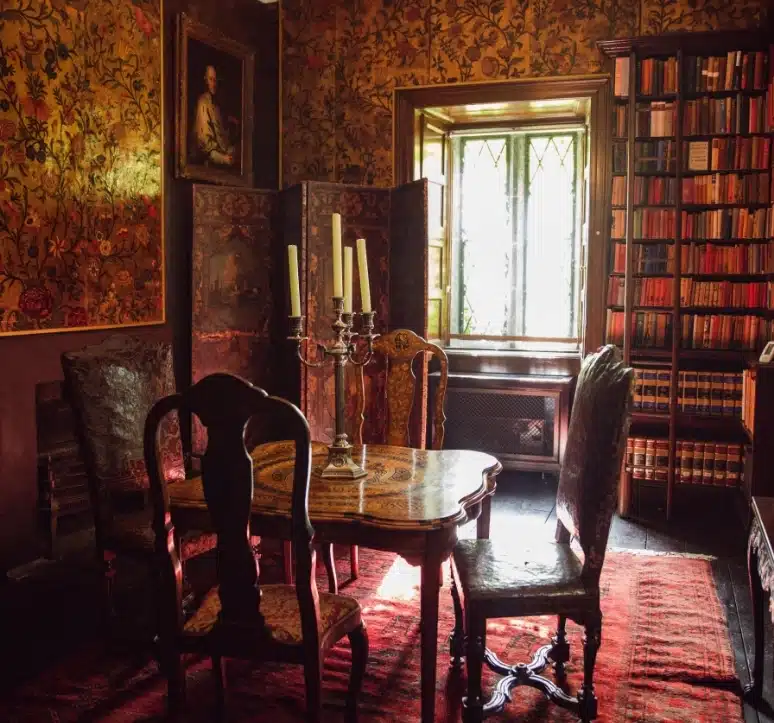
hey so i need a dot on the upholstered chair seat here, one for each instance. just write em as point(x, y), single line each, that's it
point(339, 615)
point(522, 580)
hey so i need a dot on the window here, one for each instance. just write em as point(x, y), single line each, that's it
point(516, 241)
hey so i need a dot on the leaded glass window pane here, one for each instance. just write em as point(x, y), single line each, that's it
point(515, 235)
point(485, 238)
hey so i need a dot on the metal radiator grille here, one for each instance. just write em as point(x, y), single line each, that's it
point(500, 423)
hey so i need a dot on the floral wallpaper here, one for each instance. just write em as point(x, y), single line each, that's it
point(342, 60)
point(80, 164)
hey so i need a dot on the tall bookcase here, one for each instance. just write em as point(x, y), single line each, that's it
point(690, 295)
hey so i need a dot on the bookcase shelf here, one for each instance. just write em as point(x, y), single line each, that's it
point(739, 66)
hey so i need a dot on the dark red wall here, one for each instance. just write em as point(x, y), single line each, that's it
point(27, 360)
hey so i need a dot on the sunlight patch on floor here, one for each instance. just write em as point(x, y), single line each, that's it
point(401, 582)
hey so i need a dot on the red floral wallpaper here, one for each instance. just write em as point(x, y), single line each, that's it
point(80, 164)
point(342, 60)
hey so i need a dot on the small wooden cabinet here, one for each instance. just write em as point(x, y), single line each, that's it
point(522, 419)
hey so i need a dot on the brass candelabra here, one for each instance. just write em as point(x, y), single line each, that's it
point(342, 351)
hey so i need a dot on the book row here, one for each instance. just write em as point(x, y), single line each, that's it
point(654, 191)
point(740, 114)
point(648, 223)
point(732, 294)
point(722, 188)
point(738, 259)
point(722, 223)
point(725, 294)
point(728, 223)
point(646, 292)
point(728, 154)
point(713, 188)
point(696, 258)
point(646, 258)
point(716, 394)
point(740, 153)
point(696, 462)
point(653, 330)
point(724, 331)
point(656, 76)
point(736, 70)
point(656, 120)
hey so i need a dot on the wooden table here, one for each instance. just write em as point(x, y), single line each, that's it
point(760, 567)
point(411, 502)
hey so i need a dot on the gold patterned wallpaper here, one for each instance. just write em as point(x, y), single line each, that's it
point(80, 164)
point(342, 60)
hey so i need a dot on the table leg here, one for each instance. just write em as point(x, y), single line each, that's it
point(484, 519)
point(431, 579)
point(757, 595)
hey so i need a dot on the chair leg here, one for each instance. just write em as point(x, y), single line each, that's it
point(219, 678)
point(172, 667)
point(473, 703)
point(560, 650)
point(326, 550)
point(313, 683)
point(287, 561)
point(587, 700)
point(457, 638)
point(354, 562)
point(358, 640)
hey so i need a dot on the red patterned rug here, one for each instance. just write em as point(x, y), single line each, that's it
point(665, 656)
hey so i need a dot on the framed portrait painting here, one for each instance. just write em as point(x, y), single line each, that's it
point(214, 106)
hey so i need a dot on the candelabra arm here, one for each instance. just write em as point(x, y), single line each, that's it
point(369, 336)
point(296, 324)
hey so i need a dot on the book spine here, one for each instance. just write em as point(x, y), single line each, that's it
point(708, 464)
point(697, 468)
point(721, 462)
point(650, 458)
point(663, 379)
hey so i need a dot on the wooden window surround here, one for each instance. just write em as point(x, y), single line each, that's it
point(410, 102)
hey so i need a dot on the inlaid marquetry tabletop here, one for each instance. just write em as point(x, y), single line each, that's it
point(410, 502)
point(403, 488)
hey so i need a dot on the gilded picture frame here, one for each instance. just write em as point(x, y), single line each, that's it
point(214, 105)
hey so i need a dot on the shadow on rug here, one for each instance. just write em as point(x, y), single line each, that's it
point(665, 656)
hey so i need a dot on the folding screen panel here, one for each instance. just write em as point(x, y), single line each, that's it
point(234, 243)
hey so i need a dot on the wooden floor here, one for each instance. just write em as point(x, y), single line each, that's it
point(524, 505)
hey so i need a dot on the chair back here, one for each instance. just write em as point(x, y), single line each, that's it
point(111, 387)
point(588, 481)
point(400, 348)
point(224, 404)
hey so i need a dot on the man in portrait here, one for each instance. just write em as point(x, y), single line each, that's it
point(211, 137)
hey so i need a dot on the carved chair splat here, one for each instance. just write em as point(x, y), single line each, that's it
point(241, 618)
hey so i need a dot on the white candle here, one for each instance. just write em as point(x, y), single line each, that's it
point(295, 294)
point(336, 235)
point(348, 263)
point(362, 266)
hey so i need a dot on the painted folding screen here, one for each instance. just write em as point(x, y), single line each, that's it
point(234, 242)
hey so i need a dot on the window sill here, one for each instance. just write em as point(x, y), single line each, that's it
point(513, 361)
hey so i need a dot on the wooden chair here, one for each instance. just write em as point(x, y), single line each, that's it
point(242, 618)
point(500, 579)
point(111, 387)
point(399, 348)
